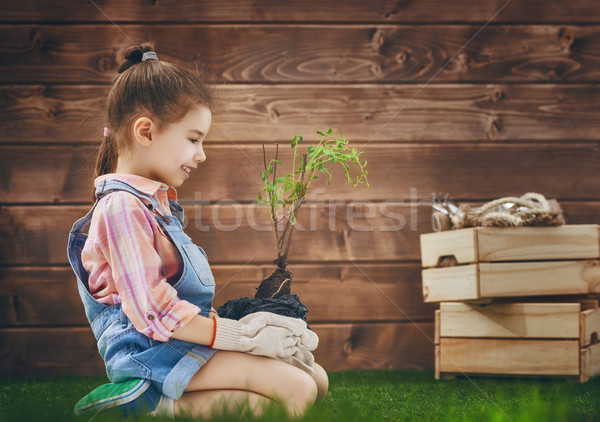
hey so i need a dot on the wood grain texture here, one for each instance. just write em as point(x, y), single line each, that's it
point(236, 234)
point(72, 351)
point(510, 320)
point(590, 326)
point(364, 113)
point(242, 233)
point(311, 53)
point(494, 244)
point(451, 283)
point(39, 352)
point(47, 296)
point(438, 100)
point(590, 362)
point(511, 279)
point(533, 11)
point(509, 356)
point(575, 241)
point(460, 244)
point(506, 279)
point(397, 172)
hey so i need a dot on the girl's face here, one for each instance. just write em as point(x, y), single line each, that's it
point(177, 150)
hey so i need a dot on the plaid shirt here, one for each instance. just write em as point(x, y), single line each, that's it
point(132, 262)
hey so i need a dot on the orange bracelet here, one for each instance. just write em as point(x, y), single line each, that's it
point(212, 343)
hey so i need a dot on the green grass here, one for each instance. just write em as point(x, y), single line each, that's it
point(358, 396)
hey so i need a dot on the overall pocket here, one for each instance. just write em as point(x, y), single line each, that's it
point(197, 257)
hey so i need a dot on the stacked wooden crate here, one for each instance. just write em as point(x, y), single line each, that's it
point(515, 301)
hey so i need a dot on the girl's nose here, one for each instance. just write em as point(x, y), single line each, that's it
point(200, 156)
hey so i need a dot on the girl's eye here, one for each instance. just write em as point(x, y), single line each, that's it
point(193, 140)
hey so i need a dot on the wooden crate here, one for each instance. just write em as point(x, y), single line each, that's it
point(524, 339)
point(511, 279)
point(511, 262)
point(493, 244)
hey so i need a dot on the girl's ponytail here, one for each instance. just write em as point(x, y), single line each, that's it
point(108, 154)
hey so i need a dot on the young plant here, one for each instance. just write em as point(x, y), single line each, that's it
point(284, 195)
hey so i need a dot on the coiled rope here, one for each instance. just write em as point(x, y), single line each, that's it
point(531, 209)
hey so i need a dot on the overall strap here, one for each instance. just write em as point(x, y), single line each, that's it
point(103, 189)
point(77, 239)
point(83, 221)
point(109, 186)
point(177, 211)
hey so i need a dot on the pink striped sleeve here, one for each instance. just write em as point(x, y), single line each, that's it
point(126, 231)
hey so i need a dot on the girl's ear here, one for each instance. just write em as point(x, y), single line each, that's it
point(142, 131)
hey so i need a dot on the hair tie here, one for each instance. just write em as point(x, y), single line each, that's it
point(149, 55)
point(107, 132)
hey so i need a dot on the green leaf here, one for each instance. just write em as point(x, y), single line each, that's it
point(328, 149)
point(297, 188)
point(288, 185)
point(297, 140)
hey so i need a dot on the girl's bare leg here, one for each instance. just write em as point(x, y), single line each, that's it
point(214, 402)
point(270, 378)
point(322, 381)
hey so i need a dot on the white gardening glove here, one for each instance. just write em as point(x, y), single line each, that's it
point(252, 336)
point(303, 359)
point(295, 325)
point(308, 338)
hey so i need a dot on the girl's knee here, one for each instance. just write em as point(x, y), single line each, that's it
point(303, 388)
point(322, 382)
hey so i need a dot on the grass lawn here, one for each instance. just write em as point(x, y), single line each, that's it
point(358, 396)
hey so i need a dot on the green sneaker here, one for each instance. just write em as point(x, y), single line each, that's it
point(108, 396)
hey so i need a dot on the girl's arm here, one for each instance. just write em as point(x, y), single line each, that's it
point(199, 330)
point(124, 238)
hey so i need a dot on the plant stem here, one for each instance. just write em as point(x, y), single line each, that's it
point(271, 207)
point(286, 237)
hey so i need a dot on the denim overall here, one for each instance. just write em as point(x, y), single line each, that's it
point(128, 353)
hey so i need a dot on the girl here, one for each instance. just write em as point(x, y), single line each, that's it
point(147, 289)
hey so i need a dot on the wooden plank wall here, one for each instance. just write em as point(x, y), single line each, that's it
point(438, 99)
